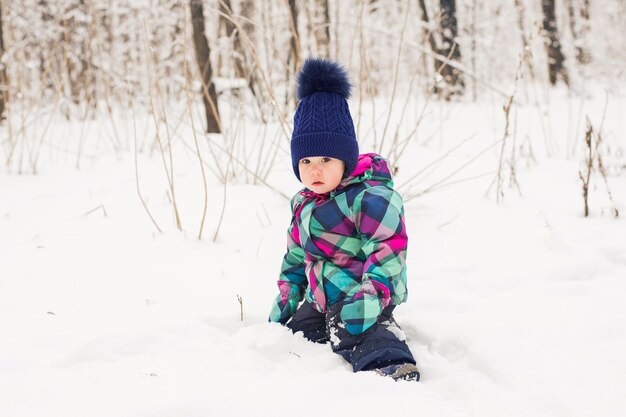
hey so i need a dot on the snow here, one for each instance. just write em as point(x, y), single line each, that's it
point(515, 309)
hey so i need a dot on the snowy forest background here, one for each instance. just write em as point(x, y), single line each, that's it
point(145, 179)
point(85, 60)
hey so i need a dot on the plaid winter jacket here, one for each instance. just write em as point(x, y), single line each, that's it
point(348, 246)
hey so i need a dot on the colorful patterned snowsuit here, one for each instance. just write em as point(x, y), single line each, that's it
point(346, 257)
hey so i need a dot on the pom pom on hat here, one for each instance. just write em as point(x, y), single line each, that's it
point(320, 75)
point(322, 123)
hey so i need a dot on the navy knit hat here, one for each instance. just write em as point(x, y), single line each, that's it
point(322, 125)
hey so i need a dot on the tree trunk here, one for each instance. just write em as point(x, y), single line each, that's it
point(73, 54)
point(553, 45)
point(321, 28)
point(226, 29)
point(373, 6)
point(450, 49)
point(238, 56)
point(86, 73)
point(242, 63)
point(579, 26)
point(521, 22)
point(46, 54)
point(203, 53)
point(473, 46)
point(428, 34)
point(336, 30)
point(293, 60)
point(294, 49)
point(585, 27)
point(4, 85)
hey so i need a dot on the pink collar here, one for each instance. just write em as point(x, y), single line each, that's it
point(310, 195)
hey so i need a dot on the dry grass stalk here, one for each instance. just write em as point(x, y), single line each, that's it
point(221, 218)
point(586, 177)
point(195, 136)
point(240, 299)
point(143, 202)
point(499, 180)
point(594, 158)
point(169, 171)
point(100, 207)
point(602, 171)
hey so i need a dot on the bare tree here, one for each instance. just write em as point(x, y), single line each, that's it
point(247, 14)
point(447, 46)
point(294, 46)
point(294, 49)
point(203, 53)
point(473, 35)
point(226, 30)
point(239, 55)
point(76, 50)
point(428, 33)
point(86, 52)
point(521, 22)
point(239, 50)
point(450, 48)
point(556, 58)
point(321, 28)
point(47, 54)
point(4, 87)
point(579, 26)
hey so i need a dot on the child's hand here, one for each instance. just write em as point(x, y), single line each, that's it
point(360, 312)
point(283, 308)
point(282, 314)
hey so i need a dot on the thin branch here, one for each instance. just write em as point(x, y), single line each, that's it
point(143, 202)
point(395, 76)
point(195, 136)
point(442, 181)
point(407, 182)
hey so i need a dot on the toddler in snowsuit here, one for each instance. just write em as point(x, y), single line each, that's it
point(347, 239)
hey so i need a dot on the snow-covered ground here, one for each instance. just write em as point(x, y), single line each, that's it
point(515, 309)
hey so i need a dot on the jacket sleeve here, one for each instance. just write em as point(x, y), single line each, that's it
point(292, 281)
point(379, 219)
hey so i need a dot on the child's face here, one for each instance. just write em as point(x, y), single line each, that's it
point(321, 174)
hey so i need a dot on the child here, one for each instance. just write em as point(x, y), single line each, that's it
point(347, 240)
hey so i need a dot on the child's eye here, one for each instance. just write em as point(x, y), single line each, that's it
point(326, 159)
point(305, 161)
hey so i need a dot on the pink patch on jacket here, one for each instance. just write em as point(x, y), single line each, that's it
point(363, 164)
